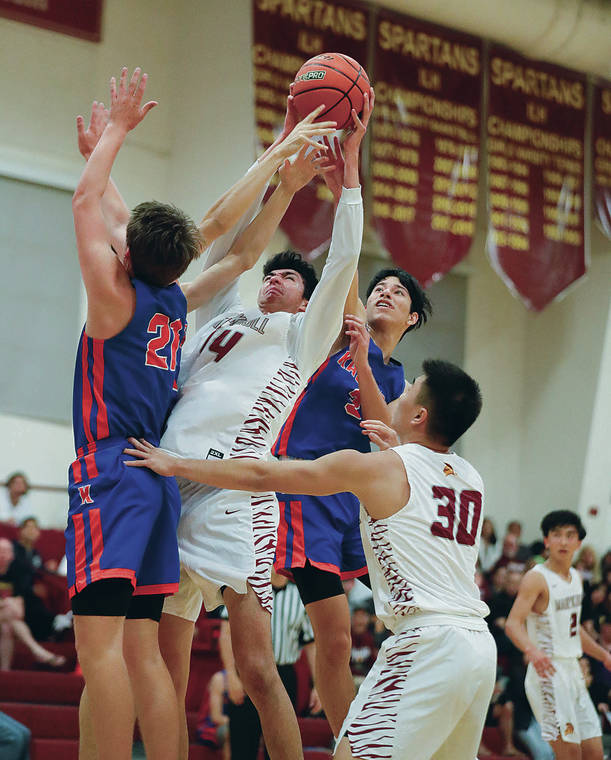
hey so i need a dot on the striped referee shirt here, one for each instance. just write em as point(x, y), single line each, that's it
point(291, 628)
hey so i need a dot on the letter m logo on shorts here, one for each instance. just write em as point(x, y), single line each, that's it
point(84, 493)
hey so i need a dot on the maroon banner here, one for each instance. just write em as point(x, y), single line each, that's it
point(601, 154)
point(536, 130)
point(80, 19)
point(425, 143)
point(285, 36)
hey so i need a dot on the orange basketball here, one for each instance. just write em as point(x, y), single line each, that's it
point(335, 80)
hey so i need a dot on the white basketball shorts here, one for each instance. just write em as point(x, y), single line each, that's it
point(561, 703)
point(425, 697)
point(225, 538)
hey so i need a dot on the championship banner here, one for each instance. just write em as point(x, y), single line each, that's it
point(425, 143)
point(536, 130)
point(80, 19)
point(601, 150)
point(286, 35)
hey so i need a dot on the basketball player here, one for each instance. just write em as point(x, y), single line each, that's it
point(428, 692)
point(544, 623)
point(319, 539)
point(240, 377)
point(121, 534)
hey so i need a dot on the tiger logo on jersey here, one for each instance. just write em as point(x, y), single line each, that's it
point(569, 729)
point(448, 469)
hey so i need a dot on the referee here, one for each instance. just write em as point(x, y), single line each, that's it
point(291, 632)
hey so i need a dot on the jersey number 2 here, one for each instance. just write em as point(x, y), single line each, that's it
point(166, 331)
point(469, 513)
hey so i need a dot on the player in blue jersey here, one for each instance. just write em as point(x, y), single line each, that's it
point(319, 539)
point(121, 535)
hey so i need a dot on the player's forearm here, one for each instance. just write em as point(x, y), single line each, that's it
point(516, 632)
point(234, 203)
point(590, 647)
point(95, 177)
point(256, 237)
point(373, 403)
point(351, 167)
point(232, 474)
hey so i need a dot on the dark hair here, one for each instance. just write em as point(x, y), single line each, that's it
point(561, 518)
point(162, 242)
point(452, 398)
point(420, 301)
point(14, 476)
point(30, 518)
point(292, 260)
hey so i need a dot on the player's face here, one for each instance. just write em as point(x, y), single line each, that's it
point(408, 406)
point(282, 290)
point(562, 543)
point(390, 303)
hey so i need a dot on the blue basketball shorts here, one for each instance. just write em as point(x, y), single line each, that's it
point(322, 529)
point(121, 522)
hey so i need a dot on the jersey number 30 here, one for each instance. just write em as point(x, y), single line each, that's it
point(469, 513)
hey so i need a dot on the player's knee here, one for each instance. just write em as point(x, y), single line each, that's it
point(257, 673)
point(334, 647)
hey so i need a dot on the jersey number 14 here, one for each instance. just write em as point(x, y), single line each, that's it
point(469, 513)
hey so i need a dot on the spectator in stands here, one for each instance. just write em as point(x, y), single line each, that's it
point(291, 631)
point(489, 547)
point(27, 557)
point(500, 713)
point(213, 721)
point(514, 528)
point(586, 565)
point(593, 609)
point(509, 556)
point(364, 651)
point(14, 501)
point(14, 597)
point(500, 605)
point(14, 739)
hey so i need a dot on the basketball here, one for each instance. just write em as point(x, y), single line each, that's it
point(334, 79)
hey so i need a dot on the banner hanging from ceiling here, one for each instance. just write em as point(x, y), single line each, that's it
point(285, 36)
point(536, 130)
point(79, 19)
point(425, 143)
point(601, 155)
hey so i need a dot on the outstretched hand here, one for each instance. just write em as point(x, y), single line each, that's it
point(379, 433)
point(147, 455)
point(334, 160)
point(356, 330)
point(306, 165)
point(306, 131)
point(357, 130)
point(88, 138)
point(125, 108)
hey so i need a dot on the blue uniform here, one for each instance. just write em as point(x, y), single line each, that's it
point(325, 529)
point(122, 521)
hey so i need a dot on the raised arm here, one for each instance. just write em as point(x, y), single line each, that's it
point(106, 281)
point(533, 590)
point(114, 209)
point(246, 250)
point(322, 320)
point(232, 205)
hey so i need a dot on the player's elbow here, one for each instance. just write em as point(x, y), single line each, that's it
point(211, 228)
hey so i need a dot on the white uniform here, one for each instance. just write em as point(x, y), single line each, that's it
point(560, 703)
point(429, 689)
point(239, 378)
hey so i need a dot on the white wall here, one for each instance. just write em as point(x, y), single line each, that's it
point(540, 374)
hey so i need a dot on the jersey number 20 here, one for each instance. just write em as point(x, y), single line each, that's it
point(469, 513)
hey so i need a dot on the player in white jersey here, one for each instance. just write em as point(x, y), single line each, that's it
point(544, 623)
point(429, 690)
point(240, 376)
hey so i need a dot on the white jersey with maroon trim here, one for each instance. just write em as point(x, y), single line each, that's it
point(556, 631)
point(243, 370)
point(422, 558)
